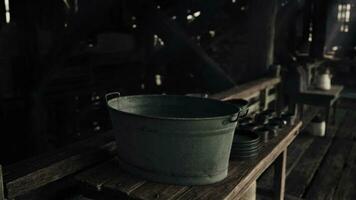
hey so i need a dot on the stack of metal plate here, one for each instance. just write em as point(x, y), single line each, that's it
point(246, 144)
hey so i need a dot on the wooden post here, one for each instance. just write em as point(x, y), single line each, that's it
point(327, 119)
point(2, 191)
point(263, 100)
point(319, 20)
point(261, 32)
point(280, 175)
point(334, 112)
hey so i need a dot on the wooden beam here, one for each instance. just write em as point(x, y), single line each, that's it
point(280, 175)
point(246, 90)
point(2, 190)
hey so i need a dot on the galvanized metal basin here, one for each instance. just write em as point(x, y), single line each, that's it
point(174, 139)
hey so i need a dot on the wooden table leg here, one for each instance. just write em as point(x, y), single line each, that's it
point(301, 111)
point(279, 181)
point(2, 195)
point(334, 112)
point(327, 120)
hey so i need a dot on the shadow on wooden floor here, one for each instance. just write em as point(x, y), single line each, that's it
point(321, 168)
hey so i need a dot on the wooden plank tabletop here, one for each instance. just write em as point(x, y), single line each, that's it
point(334, 91)
point(241, 175)
point(320, 97)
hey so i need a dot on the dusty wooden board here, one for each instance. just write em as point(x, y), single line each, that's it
point(97, 176)
point(246, 90)
point(340, 119)
point(295, 152)
point(303, 173)
point(348, 126)
point(324, 184)
point(347, 184)
point(334, 91)
point(246, 172)
point(124, 183)
point(2, 191)
point(157, 191)
point(299, 179)
point(108, 177)
point(37, 172)
point(319, 97)
point(269, 195)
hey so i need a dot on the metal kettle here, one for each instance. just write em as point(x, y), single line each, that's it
point(323, 80)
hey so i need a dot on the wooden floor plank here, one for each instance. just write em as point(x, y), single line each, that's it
point(157, 191)
point(347, 184)
point(348, 127)
point(326, 179)
point(297, 150)
point(97, 176)
point(299, 179)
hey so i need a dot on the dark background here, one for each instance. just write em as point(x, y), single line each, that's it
point(59, 57)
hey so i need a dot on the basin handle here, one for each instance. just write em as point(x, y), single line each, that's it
point(234, 119)
point(111, 95)
point(240, 116)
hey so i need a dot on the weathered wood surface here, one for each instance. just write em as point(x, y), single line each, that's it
point(302, 175)
point(325, 181)
point(241, 175)
point(2, 191)
point(279, 181)
point(305, 155)
point(304, 171)
point(34, 173)
point(346, 186)
point(329, 174)
point(245, 91)
point(320, 97)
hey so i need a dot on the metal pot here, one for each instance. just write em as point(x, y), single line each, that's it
point(173, 139)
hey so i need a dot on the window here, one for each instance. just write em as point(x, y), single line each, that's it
point(7, 11)
point(343, 16)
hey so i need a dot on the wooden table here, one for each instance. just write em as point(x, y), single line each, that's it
point(108, 179)
point(32, 174)
point(323, 98)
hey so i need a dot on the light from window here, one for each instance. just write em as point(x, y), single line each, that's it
point(343, 16)
point(7, 11)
